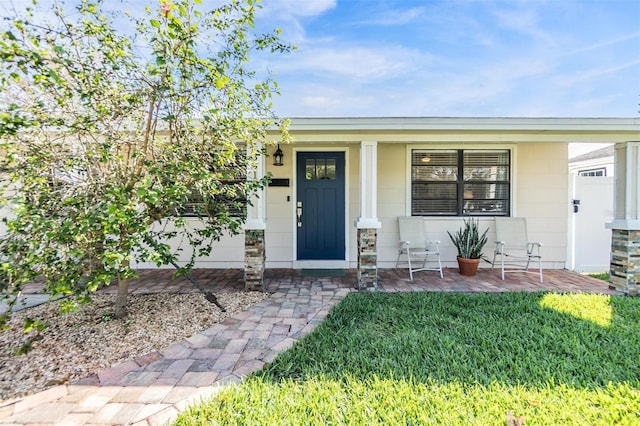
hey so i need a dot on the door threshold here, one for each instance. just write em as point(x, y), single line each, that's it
point(320, 264)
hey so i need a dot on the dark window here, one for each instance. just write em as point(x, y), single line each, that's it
point(232, 200)
point(320, 168)
point(460, 182)
point(230, 196)
point(593, 172)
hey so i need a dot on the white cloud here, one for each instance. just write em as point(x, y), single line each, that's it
point(607, 43)
point(359, 62)
point(321, 100)
point(523, 20)
point(396, 17)
point(420, 86)
point(455, 88)
point(588, 75)
point(325, 103)
point(290, 14)
point(391, 80)
point(292, 8)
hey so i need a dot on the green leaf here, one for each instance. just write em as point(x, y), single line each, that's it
point(54, 75)
point(221, 81)
point(154, 23)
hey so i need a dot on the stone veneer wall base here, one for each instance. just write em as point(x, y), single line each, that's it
point(625, 261)
point(254, 259)
point(367, 259)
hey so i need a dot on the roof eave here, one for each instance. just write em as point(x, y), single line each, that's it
point(498, 124)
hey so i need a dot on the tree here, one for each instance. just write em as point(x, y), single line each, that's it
point(108, 135)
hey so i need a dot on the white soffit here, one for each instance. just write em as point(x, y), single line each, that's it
point(467, 124)
point(464, 129)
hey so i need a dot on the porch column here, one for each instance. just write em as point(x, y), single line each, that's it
point(254, 230)
point(368, 223)
point(625, 240)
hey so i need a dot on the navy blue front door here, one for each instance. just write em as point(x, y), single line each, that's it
point(320, 205)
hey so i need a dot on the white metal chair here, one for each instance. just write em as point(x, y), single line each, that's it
point(414, 244)
point(514, 248)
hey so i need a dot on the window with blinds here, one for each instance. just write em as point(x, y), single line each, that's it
point(230, 196)
point(460, 182)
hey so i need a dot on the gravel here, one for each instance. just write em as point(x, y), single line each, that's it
point(75, 345)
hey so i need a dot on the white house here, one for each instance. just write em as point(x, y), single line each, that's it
point(344, 181)
point(595, 163)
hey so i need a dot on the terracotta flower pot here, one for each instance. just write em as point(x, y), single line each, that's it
point(468, 267)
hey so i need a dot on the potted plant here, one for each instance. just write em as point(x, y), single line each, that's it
point(469, 243)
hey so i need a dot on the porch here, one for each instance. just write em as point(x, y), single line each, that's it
point(392, 280)
point(389, 280)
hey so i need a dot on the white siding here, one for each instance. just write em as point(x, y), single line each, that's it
point(539, 193)
point(226, 253)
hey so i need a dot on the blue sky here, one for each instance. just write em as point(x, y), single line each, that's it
point(559, 58)
point(529, 58)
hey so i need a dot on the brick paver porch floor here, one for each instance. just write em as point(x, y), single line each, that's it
point(153, 389)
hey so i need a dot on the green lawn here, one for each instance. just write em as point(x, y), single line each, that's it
point(436, 358)
point(604, 276)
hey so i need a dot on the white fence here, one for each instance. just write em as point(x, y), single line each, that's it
point(589, 241)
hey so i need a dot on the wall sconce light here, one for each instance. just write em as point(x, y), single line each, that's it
point(278, 155)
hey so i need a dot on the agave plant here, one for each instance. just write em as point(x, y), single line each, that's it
point(468, 239)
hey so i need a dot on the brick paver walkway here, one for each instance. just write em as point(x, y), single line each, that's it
point(153, 389)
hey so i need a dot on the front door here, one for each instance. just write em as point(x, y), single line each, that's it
point(320, 206)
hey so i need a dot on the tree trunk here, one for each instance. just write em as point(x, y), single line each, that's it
point(121, 297)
